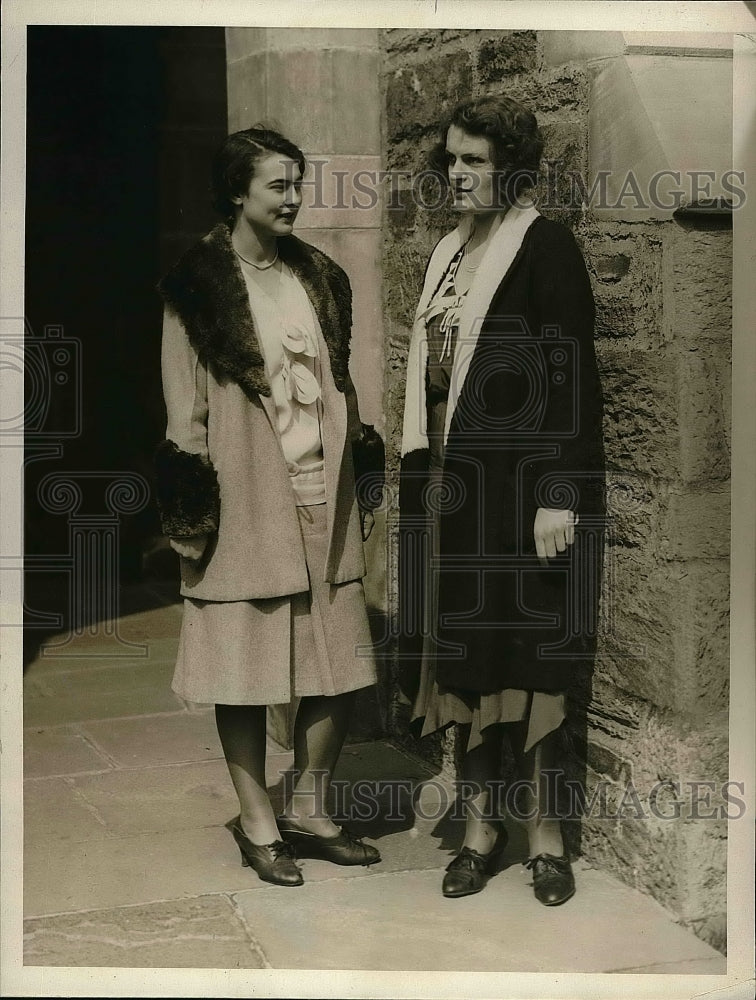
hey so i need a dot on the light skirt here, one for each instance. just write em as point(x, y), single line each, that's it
point(263, 652)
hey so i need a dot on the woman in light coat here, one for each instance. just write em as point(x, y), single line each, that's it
point(256, 489)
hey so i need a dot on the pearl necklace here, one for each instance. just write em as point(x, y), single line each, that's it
point(465, 256)
point(258, 267)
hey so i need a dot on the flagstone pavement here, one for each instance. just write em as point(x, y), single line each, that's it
point(129, 862)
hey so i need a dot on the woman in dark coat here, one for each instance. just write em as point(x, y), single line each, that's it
point(256, 488)
point(502, 484)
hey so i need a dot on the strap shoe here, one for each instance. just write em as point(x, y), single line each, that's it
point(469, 872)
point(553, 881)
point(272, 862)
point(343, 849)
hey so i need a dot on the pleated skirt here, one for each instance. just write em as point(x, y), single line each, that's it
point(264, 652)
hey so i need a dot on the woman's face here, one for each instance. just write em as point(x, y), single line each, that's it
point(472, 175)
point(274, 196)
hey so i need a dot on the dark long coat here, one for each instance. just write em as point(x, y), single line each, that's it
point(524, 432)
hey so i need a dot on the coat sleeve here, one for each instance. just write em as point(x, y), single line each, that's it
point(564, 312)
point(188, 496)
point(368, 454)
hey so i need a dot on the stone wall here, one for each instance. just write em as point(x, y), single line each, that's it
point(660, 689)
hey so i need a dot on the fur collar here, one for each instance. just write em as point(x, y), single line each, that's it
point(206, 289)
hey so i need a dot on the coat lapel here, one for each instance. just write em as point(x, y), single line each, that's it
point(414, 429)
point(493, 271)
point(206, 289)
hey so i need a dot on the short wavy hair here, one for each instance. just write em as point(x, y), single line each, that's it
point(234, 163)
point(513, 133)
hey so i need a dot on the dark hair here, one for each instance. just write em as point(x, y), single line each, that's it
point(512, 130)
point(234, 162)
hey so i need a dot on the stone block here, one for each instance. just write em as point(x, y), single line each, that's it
point(703, 635)
point(637, 507)
point(638, 650)
point(300, 97)
point(418, 96)
point(700, 276)
point(243, 42)
point(358, 251)
point(510, 53)
point(641, 430)
point(203, 933)
point(667, 631)
point(559, 47)
point(565, 156)
point(704, 873)
point(613, 713)
point(604, 761)
point(357, 105)
point(704, 450)
point(401, 45)
point(320, 39)
point(678, 859)
point(559, 92)
point(699, 524)
point(626, 274)
point(404, 263)
point(396, 376)
point(341, 192)
point(247, 91)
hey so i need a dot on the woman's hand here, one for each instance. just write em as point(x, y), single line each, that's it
point(190, 547)
point(553, 531)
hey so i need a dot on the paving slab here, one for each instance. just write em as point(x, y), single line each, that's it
point(49, 752)
point(93, 874)
point(54, 814)
point(83, 705)
point(152, 623)
point(203, 933)
point(155, 800)
point(86, 656)
point(110, 678)
point(401, 921)
point(172, 739)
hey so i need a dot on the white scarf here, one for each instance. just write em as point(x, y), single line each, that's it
point(493, 268)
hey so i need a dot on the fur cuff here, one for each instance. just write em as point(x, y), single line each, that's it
point(188, 496)
point(369, 457)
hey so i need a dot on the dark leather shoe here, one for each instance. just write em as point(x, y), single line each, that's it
point(553, 881)
point(272, 862)
point(343, 849)
point(469, 872)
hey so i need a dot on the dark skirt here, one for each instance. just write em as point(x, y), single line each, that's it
point(436, 707)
